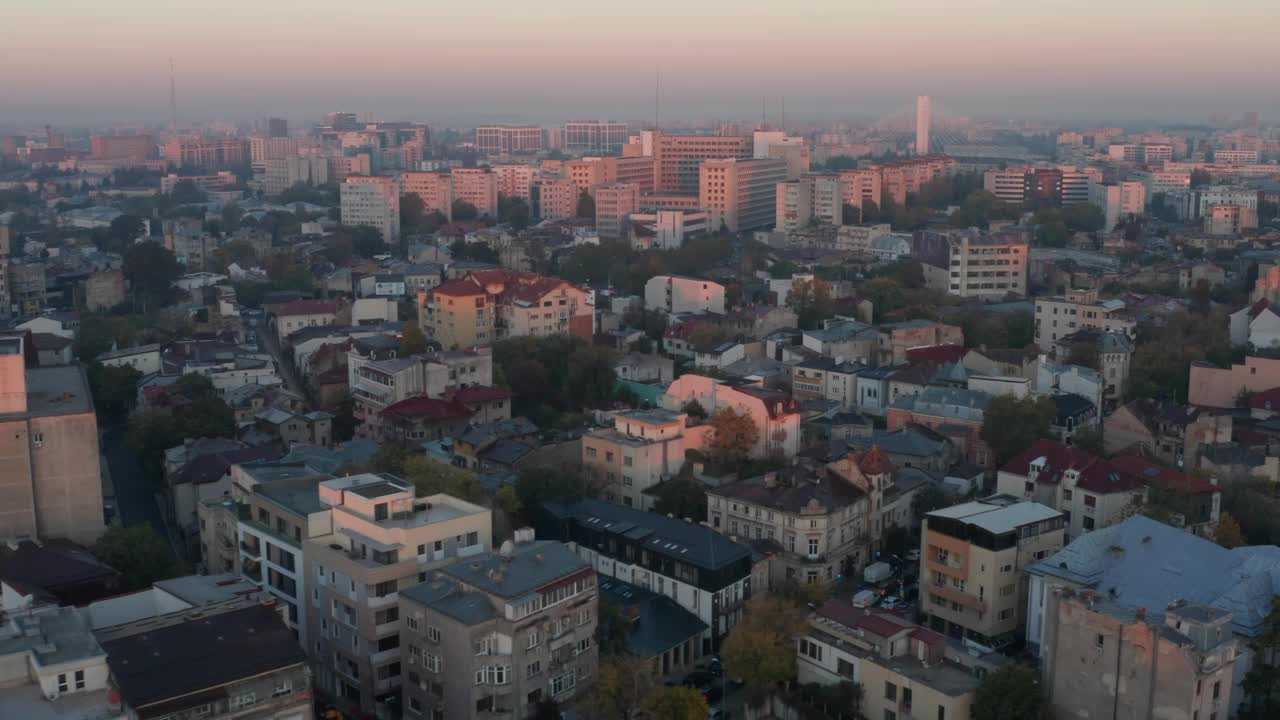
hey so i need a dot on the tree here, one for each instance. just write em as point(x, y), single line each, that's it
point(682, 496)
point(232, 215)
point(460, 249)
point(536, 486)
point(338, 248)
point(850, 215)
point(462, 211)
point(586, 206)
point(622, 685)
point(1262, 682)
point(186, 192)
point(124, 230)
point(507, 499)
point(412, 341)
point(761, 647)
point(677, 703)
point(1228, 533)
point(1199, 177)
point(1199, 297)
point(1090, 440)
point(100, 332)
point(151, 269)
point(139, 553)
point(694, 409)
point(513, 211)
point(390, 458)
point(811, 301)
point(412, 211)
point(733, 435)
point(367, 241)
point(885, 294)
point(1084, 354)
point(114, 389)
point(1011, 425)
point(1084, 217)
point(613, 631)
point(432, 478)
point(594, 378)
point(929, 498)
point(344, 419)
point(1011, 693)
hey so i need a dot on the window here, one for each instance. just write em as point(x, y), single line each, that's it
point(431, 662)
point(583, 645)
point(1090, 501)
point(563, 683)
point(411, 622)
point(433, 633)
point(942, 713)
point(533, 638)
point(584, 616)
point(1006, 613)
point(810, 649)
point(473, 538)
point(813, 546)
point(533, 668)
point(1217, 689)
point(890, 691)
point(62, 683)
point(242, 700)
point(1099, 641)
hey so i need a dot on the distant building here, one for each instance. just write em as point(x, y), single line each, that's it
point(922, 125)
point(740, 194)
point(488, 305)
point(372, 201)
point(674, 294)
point(603, 137)
point(775, 414)
point(478, 187)
point(137, 148)
point(1118, 200)
point(508, 139)
point(614, 204)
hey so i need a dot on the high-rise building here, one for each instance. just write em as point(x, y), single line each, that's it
point(123, 147)
point(477, 186)
point(384, 539)
point(555, 199)
point(493, 635)
point(740, 194)
point(1118, 200)
point(508, 139)
point(971, 263)
point(613, 204)
point(677, 158)
point(374, 201)
point(922, 124)
point(434, 189)
point(810, 198)
point(50, 478)
point(277, 127)
point(284, 173)
point(604, 137)
point(860, 186)
point(340, 120)
point(211, 154)
point(972, 558)
point(515, 180)
point(264, 149)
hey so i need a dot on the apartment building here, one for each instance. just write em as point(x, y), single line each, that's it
point(740, 194)
point(972, 584)
point(642, 449)
point(493, 635)
point(434, 189)
point(1080, 309)
point(614, 203)
point(1118, 200)
point(908, 176)
point(860, 186)
point(953, 412)
point(284, 173)
point(905, 670)
point(1076, 182)
point(674, 294)
point(775, 414)
point(1164, 181)
point(372, 201)
point(703, 571)
point(515, 180)
point(508, 139)
point(488, 305)
point(1177, 660)
point(122, 147)
point(207, 153)
point(1141, 153)
point(808, 199)
point(50, 477)
point(1235, 157)
point(384, 539)
point(477, 186)
point(262, 150)
point(376, 384)
point(1008, 184)
point(555, 199)
point(971, 263)
point(1229, 220)
point(602, 137)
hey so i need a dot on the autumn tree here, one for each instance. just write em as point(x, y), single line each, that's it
point(677, 703)
point(694, 409)
point(761, 647)
point(733, 435)
point(1011, 425)
point(1262, 682)
point(811, 301)
point(412, 341)
point(623, 684)
point(1011, 693)
point(430, 478)
point(1228, 533)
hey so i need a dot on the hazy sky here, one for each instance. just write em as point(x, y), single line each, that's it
point(455, 61)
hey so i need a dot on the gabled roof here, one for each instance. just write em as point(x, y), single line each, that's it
point(1162, 476)
point(307, 307)
point(937, 354)
point(427, 408)
point(1095, 474)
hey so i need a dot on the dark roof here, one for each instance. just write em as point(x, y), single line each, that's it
point(51, 565)
point(688, 542)
point(937, 354)
point(1163, 477)
point(307, 307)
point(49, 341)
point(1070, 405)
point(480, 393)
point(657, 623)
point(1094, 473)
point(210, 467)
point(427, 408)
point(791, 494)
point(200, 655)
point(506, 452)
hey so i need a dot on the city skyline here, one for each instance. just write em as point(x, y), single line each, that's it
point(503, 61)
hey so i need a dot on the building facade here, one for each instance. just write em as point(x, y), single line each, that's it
point(372, 201)
point(740, 194)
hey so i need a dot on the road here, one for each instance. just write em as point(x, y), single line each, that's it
point(135, 498)
point(284, 368)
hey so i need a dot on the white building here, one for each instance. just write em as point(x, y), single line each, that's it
point(372, 201)
point(679, 294)
point(1118, 200)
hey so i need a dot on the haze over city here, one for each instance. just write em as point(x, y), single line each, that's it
point(83, 61)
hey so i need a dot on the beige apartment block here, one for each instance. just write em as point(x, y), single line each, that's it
point(643, 448)
point(972, 558)
point(372, 201)
point(434, 189)
point(50, 476)
point(385, 539)
point(491, 636)
point(478, 186)
point(740, 194)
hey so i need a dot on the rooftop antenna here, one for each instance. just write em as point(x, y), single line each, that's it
point(657, 97)
point(173, 100)
point(763, 105)
point(784, 115)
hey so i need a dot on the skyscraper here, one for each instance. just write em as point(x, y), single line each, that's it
point(922, 125)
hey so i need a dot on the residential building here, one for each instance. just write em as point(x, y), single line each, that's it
point(1053, 379)
point(1145, 567)
point(1113, 351)
point(740, 194)
point(702, 570)
point(1187, 501)
point(284, 173)
point(955, 413)
point(1235, 157)
point(555, 198)
point(896, 339)
point(477, 186)
point(51, 666)
point(372, 201)
point(1089, 490)
point(642, 449)
point(51, 476)
point(662, 633)
point(905, 670)
point(143, 358)
point(208, 153)
point(922, 125)
point(1079, 309)
point(989, 266)
point(675, 294)
point(1181, 663)
point(515, 181)
point(495, 634)
point(488, 305)
point(434, 189)
point(1215, 387)
point(860, 186)
point(376, 384)
point(677, 159)
point(614, 204)
point(775, 414)
point(1118, 200)
point(595, 137)
point(808, 199)
point(823, 378)
point(298, 314)
point(384, 540)
point(1169, 431)
point(234, 661)
point(972, 558)
point(1229, 220)
point(1007, 184)
point(137, 148)
point(508, 139)
point(1202, 199)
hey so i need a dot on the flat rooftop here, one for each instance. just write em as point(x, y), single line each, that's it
point(377, 490)
point(996, 515)
point(53, 391)
point(27, 702)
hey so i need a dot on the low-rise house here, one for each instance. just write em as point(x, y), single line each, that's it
point(1072, 413)
point(57, 571)
point(423, 419)
point(1052, 379)
point(1257, 325)
point(720, 355)
point(143, 358)
point(294, 316)
point(1215, 387)
point(643, 448)
point(1114, 351)
point(954, 413)
point(898, 337)
point(913, 446)
point(904, 669)
point(845, 340)
point(645, 368)
point(1169, 431)
point(823, 378)
point(51, 665)
point(775, 414)
point(1186, 501)
point(291, 428)
point(476, 439)
point(1089, 490)
point(659, 630)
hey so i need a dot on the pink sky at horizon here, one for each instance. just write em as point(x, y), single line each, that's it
point(241, 58)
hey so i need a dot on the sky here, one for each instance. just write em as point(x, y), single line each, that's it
point(459, 62)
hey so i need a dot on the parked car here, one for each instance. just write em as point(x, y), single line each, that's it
point(714, 695)
point(865, 598)
point(913, 555)
point(718, 714)
point(890, 602)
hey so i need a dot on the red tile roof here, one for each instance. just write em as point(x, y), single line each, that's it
point(1096, 474)
point(936, 354)
point(426, 408)
point(459, 288)
point(1266, 400)
point(480, 393)
point(875, 622)
point(1162, 476)
point(307, 307)
point(874, 462)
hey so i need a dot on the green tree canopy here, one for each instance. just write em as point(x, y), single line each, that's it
point(1011, 693)
point(760, 650)
point(682, 496)
point(114, 389)
point(151, 269)
point(1011, 425)
point(586, 206)
point(462, 211)
point(677, 703)
point(812, 302)
point(140, 555)
point(412, 341)
point(513, 211)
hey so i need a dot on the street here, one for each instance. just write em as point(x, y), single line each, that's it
point(135, 498)
point(284, 368)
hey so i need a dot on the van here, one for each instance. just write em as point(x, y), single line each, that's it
point(865, 598)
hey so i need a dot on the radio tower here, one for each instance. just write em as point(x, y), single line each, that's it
point(173, 100)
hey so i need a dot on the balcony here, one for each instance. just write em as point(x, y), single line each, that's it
point(387, 628)
point(387, 684)
point(956, 595)
point(385, 656)
point(384, 601)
